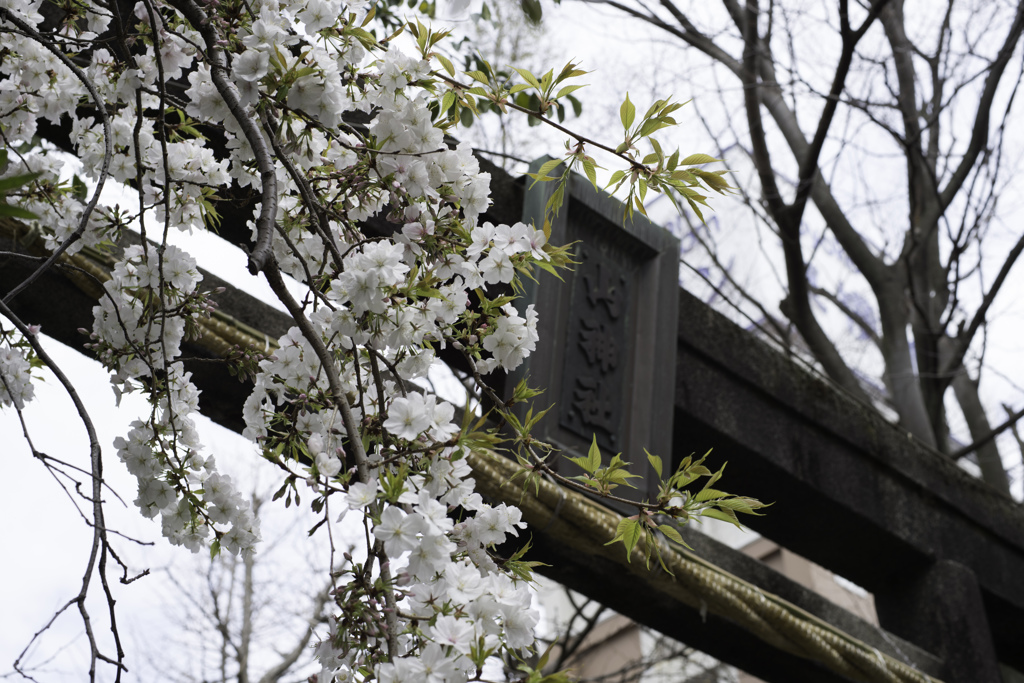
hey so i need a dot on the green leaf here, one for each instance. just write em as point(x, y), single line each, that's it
point(446, 63)
point(714, 180)
point(722, 515)
point(616, 177)
point(548, 268)
point(709, 494)
point(655, 463)
point(16, 181)
point(654, 125)
point(528, 77)
point(695, 159)
point(627, 113)
point(532, 10)
point(542, 173)
point(543, 661)
point(545, 82)
point(555, 201)
point(593, 457)
point(672, 533)
point(739, 505)
point(657, 149)
point(628, 532)
point(364, 37)
point(577, 106)
point(695, 208)
point(568, 89)
point(673, 161)
point(446, 102)
point(639, 204)
point(581, 461)
point(479, 76)
point(589, 169)
point(716, 476)
point(78, 189)
point(16, 212)
point(619, 477)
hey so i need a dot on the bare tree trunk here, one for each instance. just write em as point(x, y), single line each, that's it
point(901, 376)
point(247, 597)
point(992, 471)
point(1016, 434)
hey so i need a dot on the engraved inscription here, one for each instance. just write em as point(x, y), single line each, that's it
point(594, 367)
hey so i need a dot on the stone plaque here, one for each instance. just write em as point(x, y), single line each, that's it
point(606, 357)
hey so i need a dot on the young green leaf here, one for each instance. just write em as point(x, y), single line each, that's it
point(593, 456)
point(709, 494)
point(628, 532)
point(542, 173)
point(723, 515)
point(528, 77)
point(673, 534)
point(696, 159)
point(655, 463)
point(568, 89)
point(627, 113)
point(446, 63)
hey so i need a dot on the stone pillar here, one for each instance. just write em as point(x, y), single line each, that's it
point(942, 610)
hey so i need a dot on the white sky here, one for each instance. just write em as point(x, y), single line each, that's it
point(46, 543)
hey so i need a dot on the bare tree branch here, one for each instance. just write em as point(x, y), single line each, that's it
point(979, 136)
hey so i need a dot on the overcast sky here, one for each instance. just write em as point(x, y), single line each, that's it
point(44, 538)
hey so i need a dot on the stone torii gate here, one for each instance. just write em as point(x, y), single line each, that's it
point(638, 362)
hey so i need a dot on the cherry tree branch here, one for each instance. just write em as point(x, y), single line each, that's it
point(355, 442)
point(219, 71)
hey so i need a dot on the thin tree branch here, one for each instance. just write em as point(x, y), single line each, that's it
point(979, 136)
point(963, 339)
point(99, 540)
point(220, 74)
point(288, 659)
point(849, 313)
point(970, 448)
point(809, 162)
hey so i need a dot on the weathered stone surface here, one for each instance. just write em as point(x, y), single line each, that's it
point(604, 580)
point(852, 492)
point(942, 609)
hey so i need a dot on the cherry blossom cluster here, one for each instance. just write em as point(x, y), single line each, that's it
point(15, 377)
point(139, 326)
point(297, 103)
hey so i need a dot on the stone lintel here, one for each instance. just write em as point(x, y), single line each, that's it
point(852, 492)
